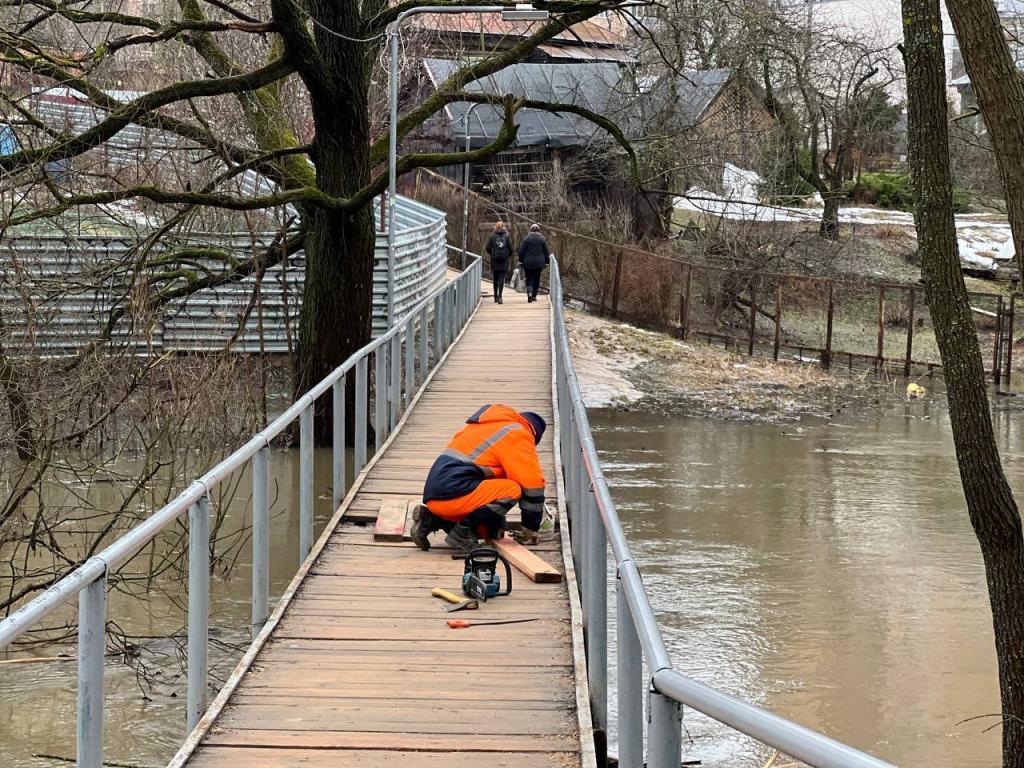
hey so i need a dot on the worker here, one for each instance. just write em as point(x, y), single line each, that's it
point(499, 248)
point(488, 467)
point(533, 257)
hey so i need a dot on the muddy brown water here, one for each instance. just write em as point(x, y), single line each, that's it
point(826, 571)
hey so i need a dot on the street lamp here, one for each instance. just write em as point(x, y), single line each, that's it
point(518, 12)
point(465, 188)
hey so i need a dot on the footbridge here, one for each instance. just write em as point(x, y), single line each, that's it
point(355, 663)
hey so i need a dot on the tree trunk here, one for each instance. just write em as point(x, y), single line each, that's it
point(829, 228)
point(1000, 91)
point(990, 503)
point(337, 300)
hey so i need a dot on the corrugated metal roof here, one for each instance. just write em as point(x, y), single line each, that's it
point(587, 32)
point(584, 85)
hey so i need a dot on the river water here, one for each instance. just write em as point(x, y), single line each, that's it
point(825, 570)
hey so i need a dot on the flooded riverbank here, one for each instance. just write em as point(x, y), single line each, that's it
point(826, 571)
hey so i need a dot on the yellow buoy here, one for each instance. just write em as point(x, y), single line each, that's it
point(915, 390)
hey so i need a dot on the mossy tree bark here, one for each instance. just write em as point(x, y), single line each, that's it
point(990, 503)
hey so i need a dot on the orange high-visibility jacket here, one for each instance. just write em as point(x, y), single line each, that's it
point(496, 442)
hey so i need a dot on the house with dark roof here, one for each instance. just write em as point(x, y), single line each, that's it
point(709, 109)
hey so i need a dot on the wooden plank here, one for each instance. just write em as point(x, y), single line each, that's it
point(256, 757)
point(532, 566)
point(392, 741)
point(390, 525)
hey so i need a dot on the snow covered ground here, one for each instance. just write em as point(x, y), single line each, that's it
point(985, 240)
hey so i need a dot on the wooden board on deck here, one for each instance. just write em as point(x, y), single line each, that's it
point(362, 669)
point(391, 520)
point(529, 564)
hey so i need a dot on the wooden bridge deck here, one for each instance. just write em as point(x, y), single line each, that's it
point(361, 669)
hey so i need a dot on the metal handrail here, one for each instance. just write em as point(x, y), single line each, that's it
point(589, 502)
point(450, 308)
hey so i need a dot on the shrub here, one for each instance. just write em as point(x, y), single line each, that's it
point(893, 190)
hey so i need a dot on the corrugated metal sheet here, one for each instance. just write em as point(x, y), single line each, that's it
point(56, 293)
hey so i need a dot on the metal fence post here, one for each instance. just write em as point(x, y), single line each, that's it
point(664, 735)
point(92, 646)
point(198, 609)
point(410, 361)
point(629, 685)
point(597, 625)
point(305, 482)
point(260, 538)
point(424, 354)
point(380, 389)
point(362, 405)
point(395, 360)
point(338, 443)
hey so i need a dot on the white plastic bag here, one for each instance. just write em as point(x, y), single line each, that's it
point(518, 280)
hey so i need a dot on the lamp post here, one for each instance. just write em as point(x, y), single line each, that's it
point(518, 12)
point(465, 189)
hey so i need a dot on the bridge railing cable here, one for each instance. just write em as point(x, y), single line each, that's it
point(420, 338)
point(594, 529)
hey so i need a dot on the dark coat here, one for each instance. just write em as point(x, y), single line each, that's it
point(499, 248)
point(533, 251)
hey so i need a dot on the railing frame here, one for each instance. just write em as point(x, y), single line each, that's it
point(452, 305)
point(594, 525)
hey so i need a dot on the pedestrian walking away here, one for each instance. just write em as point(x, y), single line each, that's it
point(533, 257)
point(499, 248)
point(490, 465)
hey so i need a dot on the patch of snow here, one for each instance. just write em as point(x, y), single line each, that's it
point(985, 240)
point(740, 184)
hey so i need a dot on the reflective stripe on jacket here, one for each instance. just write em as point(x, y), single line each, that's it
point(496, 442)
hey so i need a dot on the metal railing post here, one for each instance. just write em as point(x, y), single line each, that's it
point(338, 443)
point(410, 360)
point(395, 358)
point(453, 295)
point(438, 313)
point(305, 482)
point(92, 647)
point(597, 626)
point(198, 609)
point(582, 519)
point(664, 735)
point(629, 684)
point(570, 487)
point(260, 538)
point(424, 352)
point(380, 389)
point(362, 406)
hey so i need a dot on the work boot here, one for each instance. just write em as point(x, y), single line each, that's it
point(422, 526)
point(461, 538)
